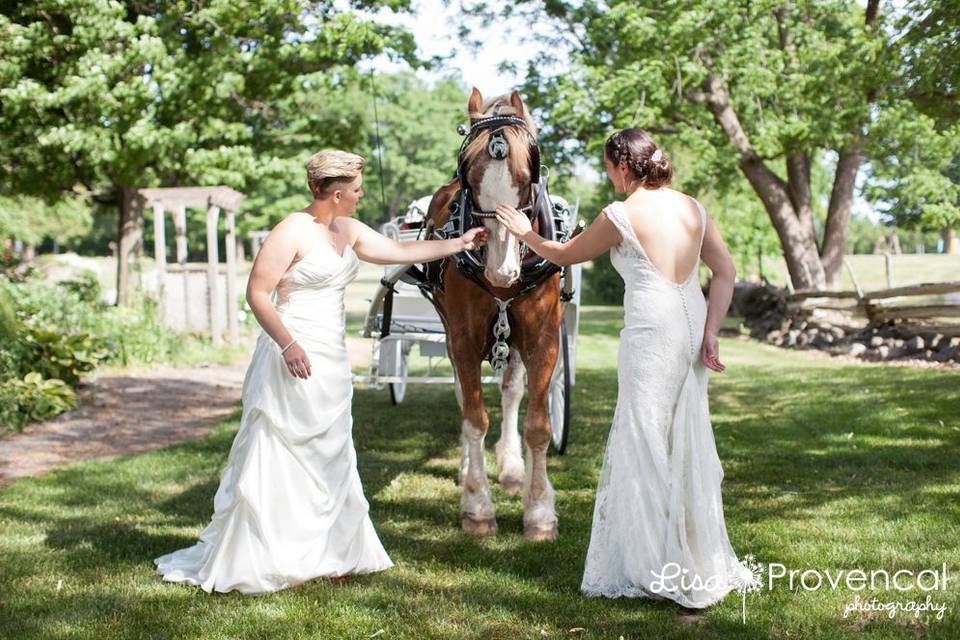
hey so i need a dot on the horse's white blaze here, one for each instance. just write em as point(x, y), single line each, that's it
point(503, 250)
point(475, 500)
point(538, 506)
point(509, 451)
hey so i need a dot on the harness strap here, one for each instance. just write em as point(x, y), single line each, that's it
point(483, 213)
point(500, 351)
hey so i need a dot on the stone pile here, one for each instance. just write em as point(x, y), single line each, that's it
point(766, 314)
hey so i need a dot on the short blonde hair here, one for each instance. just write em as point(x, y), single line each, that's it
point(329, 169)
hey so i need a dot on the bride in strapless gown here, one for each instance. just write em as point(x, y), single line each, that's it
point(290, 506)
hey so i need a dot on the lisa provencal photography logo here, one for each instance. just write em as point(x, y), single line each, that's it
point(759, 576)
point(743, 583)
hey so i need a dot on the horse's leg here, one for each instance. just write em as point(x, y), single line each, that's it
point(539, 516)
point(457, 390)
point(509, 455)
point(477, 512)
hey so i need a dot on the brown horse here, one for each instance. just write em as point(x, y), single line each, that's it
point(468, 310)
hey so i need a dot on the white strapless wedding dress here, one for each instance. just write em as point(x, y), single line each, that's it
point(290, 506)
point(658, 510)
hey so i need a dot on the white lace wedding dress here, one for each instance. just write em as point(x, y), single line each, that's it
point(658, 499)
point(290, 506)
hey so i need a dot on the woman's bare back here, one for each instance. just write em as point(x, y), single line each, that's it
point(667, 224)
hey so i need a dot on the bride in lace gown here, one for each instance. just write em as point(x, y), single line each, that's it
point(658, 526)
point(290, 505)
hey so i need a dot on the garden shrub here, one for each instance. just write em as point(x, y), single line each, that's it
point(62, 356)
point(32, 399)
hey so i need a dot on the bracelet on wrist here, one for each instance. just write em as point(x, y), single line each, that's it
point(284, 350)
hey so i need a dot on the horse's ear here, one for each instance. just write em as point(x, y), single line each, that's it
point(475, 103)
point(517, 103)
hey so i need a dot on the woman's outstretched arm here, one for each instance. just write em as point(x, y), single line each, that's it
point(597, 238)
point(375, 247)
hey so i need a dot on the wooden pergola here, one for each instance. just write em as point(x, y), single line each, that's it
point(214, 199)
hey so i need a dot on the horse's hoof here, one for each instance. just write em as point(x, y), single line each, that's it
point(511, 484)
point(541, 532)
point(486, 527)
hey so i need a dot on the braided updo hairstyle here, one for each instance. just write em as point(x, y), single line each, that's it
point(648, 164)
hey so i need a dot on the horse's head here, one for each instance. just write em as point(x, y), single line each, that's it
point(498, 162)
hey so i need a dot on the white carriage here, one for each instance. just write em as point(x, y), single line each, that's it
point(414, 323)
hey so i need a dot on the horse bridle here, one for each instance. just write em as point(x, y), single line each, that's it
point(497, 148)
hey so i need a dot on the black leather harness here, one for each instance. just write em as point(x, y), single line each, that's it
point(464, 214)
point(552, 220)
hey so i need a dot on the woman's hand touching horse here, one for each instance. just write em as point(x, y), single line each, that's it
point(473, 239)
point(599, 237)
point(515, 222)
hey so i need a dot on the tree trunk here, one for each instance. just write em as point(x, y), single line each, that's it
point(795, 232)
point(798, 187)
point(838, 214)
point(799, 248)
point(129, 240)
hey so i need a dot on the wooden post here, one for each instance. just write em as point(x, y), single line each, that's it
point(230, 241)
point(160, 256)
point(180, 231)
point(853, 277)
point(950, 244)
point(213, 277)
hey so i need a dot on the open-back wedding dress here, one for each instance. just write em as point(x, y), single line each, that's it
point(658, 511)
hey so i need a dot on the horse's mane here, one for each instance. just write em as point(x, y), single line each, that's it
point(518, 157)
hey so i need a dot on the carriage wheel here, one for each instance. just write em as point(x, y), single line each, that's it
point(399, 389)
point(558, 400)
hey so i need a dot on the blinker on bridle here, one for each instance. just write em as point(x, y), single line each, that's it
point(498, 149)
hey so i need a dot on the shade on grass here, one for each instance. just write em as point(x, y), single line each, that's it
point(828, 465)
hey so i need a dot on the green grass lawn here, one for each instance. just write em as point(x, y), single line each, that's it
point(828, 466)
point(871, 270)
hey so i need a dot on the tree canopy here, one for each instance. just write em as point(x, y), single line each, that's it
point(764, 91)
point(111, 96)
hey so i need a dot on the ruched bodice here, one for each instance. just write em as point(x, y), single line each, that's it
point(290, 505)
point(312, 289)
point(321, 275)
point(658, 498)
point(309, 299)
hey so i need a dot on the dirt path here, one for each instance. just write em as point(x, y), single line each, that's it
point(123, 412)
point(126, 412)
